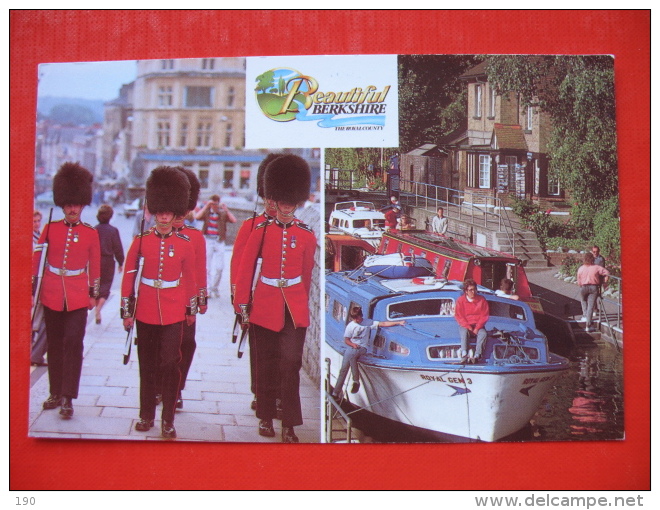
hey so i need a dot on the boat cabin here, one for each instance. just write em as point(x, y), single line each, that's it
point(458, 260)
point(357, 218)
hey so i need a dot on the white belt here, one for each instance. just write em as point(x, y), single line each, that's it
point(66, 272)
point(160, 284)
point(281, 282)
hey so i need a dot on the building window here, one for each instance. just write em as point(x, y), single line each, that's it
point(477, 101)
point(163, 133)
point(484, 171)
point(228, 176)
point(231, 95)
point(208, 63)
point(198, 97)
point(553, 184)
point(245, 176)
point(511, 162)
point(228, 135)
point(204, 175)
point(529, 117)
point(491, 102)
point(204, 133)
point(167, 64)
point(183, 134)
point(164, 96)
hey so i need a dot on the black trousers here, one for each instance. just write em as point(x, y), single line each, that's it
point(188, 347)
point(65, 332)
point(278, 360)
point(159, 355)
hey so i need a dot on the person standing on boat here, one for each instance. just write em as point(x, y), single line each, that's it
point(278, 309)
point(590, 276)
point(471, 313)
point(356, 337)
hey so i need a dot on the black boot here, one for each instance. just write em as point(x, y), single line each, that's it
point(144, 425)
point(167, 430)
point(67, 407)
point(288, 435)
point(266, 428)
point(52, 402)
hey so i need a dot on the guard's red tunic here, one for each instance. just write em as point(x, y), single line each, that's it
point(167, 258)
point(199, 246)
point(73, 271)
point(287, 255)
point(239, 244)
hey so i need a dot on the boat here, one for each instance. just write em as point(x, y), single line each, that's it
point(414, 373)
point(359, 219)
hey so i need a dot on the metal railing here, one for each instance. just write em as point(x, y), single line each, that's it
point(334, 414)
point(605, 315)
point(471, 207)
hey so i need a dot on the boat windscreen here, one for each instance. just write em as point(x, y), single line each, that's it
point(510, 311)
point(421, 308)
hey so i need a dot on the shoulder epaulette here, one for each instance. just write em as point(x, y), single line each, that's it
point(87, 225)
point(304, 226)
point(182, 236)
point(262, 224)
point(193, 228)
point(145, 233)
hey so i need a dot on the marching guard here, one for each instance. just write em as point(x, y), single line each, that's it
point(69, 284)
point(278, 309)
point(166, 297)
point(241, 238)
point(188, 344)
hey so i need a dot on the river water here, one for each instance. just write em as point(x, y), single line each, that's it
point(586, 404)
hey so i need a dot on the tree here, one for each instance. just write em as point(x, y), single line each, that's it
point(365, 162)
point(578, 93)
point(265, 80)
point(432, 98)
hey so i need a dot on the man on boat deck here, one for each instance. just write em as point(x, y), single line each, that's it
point(471, 314)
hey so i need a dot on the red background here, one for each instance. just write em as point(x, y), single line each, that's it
point(61, 36)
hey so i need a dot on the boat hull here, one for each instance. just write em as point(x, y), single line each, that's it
point(483, 403)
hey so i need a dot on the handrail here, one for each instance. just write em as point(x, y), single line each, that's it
point(488, 212)
point(333, 409)
point(616, 302)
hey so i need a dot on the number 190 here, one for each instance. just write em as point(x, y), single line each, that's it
point(25, 501)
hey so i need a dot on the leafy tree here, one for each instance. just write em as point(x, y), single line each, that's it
point(578, 93)
point(432, 98)
point(265, 80)
point(71, 114)
point(364, 161)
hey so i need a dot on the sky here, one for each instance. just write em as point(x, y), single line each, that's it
point(86, 80)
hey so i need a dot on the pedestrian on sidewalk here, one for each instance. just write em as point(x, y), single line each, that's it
point(269, 213)
point(70, 284)
point(356, 337)
point(278, 310)
point(590, 277)
point(166, 297)
point(215, 217)
point(111, 250)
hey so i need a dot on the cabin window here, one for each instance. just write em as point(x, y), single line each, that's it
point(507, 310)
point(339, 312)
point(507, 351)
point(421, 308)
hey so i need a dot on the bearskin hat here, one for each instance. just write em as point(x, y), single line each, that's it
point(287, 179)
point(72, 185)
point(262, 170)
point(168, 190)
point(194, 187)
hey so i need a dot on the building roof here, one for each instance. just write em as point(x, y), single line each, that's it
point(473, 72)
point(427, 149)
point(509, 137)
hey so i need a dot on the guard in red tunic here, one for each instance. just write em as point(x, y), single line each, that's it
point(70, 285)
point(188, 345)
point(278, 311)
point(241, 238)
point(166, 298)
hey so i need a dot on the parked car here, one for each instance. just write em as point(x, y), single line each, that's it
point(44, 199)
point(133, 208)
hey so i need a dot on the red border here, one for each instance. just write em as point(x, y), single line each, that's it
point(57, 36)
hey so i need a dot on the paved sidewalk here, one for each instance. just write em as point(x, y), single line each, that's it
point(216, 399)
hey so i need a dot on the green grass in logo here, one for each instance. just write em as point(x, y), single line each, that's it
point(271, 105)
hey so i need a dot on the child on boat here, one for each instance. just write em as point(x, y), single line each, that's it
point(356, 337)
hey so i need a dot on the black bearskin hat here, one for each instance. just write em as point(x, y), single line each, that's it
point(287, 179)
point(167, 191)
point(72, 185)
point(194, 187)
point(262, 170)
